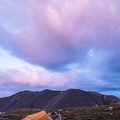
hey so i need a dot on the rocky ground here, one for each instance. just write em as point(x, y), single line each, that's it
point(83, 113)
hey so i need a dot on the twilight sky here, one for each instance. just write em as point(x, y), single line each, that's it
point(59, 44)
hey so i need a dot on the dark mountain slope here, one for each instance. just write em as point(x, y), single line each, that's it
point(27, 99)
point(48, 99)
point(75, 98)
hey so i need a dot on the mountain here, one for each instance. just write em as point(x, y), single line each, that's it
point(48, 99)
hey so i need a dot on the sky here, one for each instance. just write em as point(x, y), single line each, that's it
point(59, 44)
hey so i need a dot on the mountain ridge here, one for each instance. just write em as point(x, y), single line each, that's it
point(50, 99)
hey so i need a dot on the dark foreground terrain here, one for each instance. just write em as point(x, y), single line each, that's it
point(83, 113)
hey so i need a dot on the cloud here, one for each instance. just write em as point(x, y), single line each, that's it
point(53, 37)
point(77, 44)
point(27, 76)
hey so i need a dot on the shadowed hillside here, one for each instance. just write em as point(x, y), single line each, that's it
point(48, 99)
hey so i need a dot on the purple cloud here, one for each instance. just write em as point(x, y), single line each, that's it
point(31, 77)
point(83, 33)
point(50, 36)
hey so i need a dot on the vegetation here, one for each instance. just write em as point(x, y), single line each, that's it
point(83, 113)
point(105, 101)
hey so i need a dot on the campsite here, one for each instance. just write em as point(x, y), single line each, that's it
point(82, 113)
point(59, 59)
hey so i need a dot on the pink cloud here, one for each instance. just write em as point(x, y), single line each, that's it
point(44, 33)
point(31, 77)
point(58, 34)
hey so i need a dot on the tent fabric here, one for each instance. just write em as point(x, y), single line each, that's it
point(38, 116)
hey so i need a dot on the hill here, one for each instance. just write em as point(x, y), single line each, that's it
point(48, 99)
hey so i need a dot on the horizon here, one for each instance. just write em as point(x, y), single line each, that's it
point(60, 45)
point(59, 91)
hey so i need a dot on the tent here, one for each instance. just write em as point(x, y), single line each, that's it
point(38, 116)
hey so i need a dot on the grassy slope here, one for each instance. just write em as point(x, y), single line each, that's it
point(84, 113)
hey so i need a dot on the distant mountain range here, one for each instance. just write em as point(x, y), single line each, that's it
point(48, 99)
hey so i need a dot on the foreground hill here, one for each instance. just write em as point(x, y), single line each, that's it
point(48, 99)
